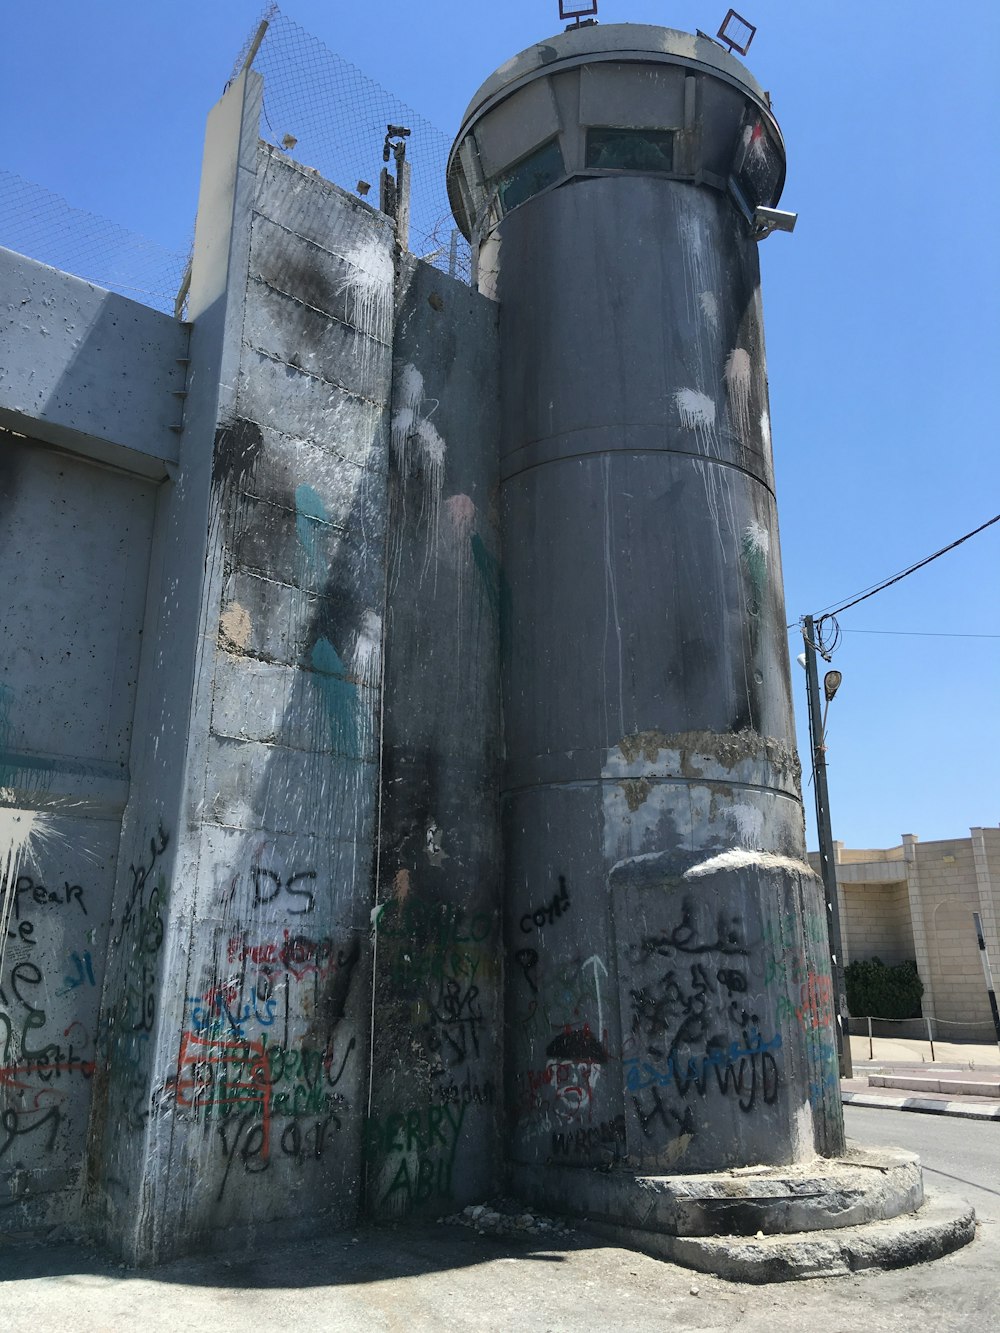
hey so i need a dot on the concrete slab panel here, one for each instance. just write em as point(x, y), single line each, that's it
point(89, 370)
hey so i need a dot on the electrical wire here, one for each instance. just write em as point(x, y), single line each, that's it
point(887, 583)
point(922, 633)
point(908, 633)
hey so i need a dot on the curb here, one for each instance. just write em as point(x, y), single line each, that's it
point(962, 1110)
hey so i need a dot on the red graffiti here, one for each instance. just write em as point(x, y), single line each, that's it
point(816, 996)
point(203, 1056)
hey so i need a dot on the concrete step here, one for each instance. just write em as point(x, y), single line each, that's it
point(944, 1223)
point(955, 1085)
point(863, 1185)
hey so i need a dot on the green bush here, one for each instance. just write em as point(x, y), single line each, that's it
point(875, 989)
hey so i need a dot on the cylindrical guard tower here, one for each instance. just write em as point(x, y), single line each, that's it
point(669, 999)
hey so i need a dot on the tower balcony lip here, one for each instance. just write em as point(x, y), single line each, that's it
point(635, 43)
point(611, 41)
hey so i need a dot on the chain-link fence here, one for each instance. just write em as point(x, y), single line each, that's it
point(42, 225)
point(320, 109)
point(327, 114)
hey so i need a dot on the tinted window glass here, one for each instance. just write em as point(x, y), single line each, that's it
point(543, 167)
point(631, 150)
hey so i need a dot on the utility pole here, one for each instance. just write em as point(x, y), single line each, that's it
point(977, 921)
point(817, 744)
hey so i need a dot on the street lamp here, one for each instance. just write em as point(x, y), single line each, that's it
point(828, 869)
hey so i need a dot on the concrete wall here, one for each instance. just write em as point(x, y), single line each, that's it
point(196, 678)
point(90, 381)
point(434, 1129)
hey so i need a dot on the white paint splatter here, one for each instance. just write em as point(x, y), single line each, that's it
point(742, 858)
point(366, 655)
point(757, 539)
point(399, 435)
point(755, 142)
point(432, 450)
point(765, 433)
point(369, 284)
point(701, 264)
point(409, 387)
point(22, 833)
point(696, 409)
point(803, 1133)
point(749, 821)
point(460, 515)
point(709, 308)
point(412, 426)
point(738, 388)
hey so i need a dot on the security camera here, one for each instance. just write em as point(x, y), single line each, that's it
point(766, 220)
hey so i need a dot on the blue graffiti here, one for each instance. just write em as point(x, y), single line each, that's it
point(641, 1074)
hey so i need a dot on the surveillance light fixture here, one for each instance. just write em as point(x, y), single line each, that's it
point(831, 684)
point(580, 10)
point(766, 220)
point(737, 32)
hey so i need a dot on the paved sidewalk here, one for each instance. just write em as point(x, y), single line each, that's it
point(899, 1075)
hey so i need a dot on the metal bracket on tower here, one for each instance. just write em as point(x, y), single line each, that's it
point(394, 192)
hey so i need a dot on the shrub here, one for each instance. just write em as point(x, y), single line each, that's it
point(876, 989)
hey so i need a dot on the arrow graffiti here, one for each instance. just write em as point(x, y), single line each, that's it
point(597, 963)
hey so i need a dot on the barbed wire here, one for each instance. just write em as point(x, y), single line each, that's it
point(334, 116)
point(330, 115)
point(42, 225)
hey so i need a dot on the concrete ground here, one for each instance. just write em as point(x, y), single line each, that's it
point(972, 1073)
point(436, 1277)
point(900, 1050)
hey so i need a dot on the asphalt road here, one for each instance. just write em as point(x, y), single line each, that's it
point(958, 1156)
point(439, 1278)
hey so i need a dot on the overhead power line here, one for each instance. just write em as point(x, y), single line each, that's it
point(887, 583)
point(922, 633)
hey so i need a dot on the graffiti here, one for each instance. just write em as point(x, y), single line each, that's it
point(825, 1063)
point(685, 938)
point(585, 1141)
point(740, 1067)
point(438, 925)
point(560, 999)
point(466, 1093)
point(456, 1018)
point(564, 1088)
point(675, 1122)
point(815, 1007)
point(267, 884)
point(216, 1077)
point(41, 896)
point(28, 1071)
point(548, 914)
point(694, 1030)
point(131, 1025)
point(149, 932)
point(425, 1142)
point(218, 1011)
point(84, 973)
point(13, 1127)
point(243, 1138)
point(299, 955)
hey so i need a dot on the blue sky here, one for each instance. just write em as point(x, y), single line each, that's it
point(882, 311)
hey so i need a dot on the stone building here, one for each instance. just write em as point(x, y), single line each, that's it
point(916, 901)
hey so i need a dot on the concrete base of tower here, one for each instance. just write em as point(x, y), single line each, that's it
point(765, 1224)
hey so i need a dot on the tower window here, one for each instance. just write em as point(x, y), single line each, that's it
point(532, 174)
point(630, 150)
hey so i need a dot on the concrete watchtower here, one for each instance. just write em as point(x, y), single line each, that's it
point(669, 999)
